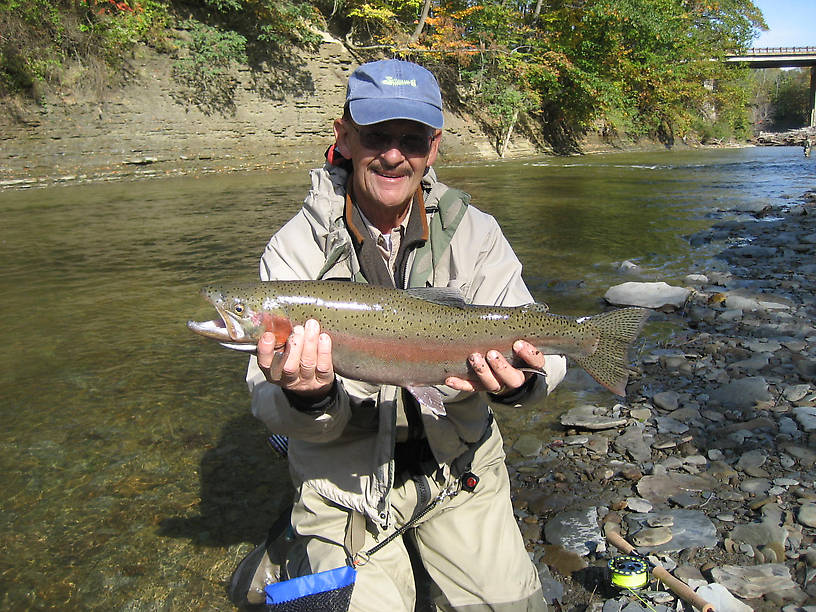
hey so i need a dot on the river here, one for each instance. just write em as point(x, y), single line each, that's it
point(133, 476)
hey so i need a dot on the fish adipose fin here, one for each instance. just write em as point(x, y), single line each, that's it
point(616, 332)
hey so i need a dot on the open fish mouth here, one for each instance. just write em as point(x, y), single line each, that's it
point(226, 331)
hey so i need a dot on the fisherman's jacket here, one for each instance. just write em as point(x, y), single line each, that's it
point(344, 450)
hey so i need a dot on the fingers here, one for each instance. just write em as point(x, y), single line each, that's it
point(529, 354)
point(306, 363)
point(493, 373)
point(270, 361)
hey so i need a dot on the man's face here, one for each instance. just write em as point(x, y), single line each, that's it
point(389, 160)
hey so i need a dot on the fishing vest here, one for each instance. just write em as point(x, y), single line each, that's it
point(443, 218)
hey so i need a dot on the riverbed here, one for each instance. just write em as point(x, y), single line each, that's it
point(133, 475)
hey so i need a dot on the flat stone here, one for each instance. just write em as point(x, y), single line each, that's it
point(742, 393)
point(668, 425)
point(690, 529)
point(794, 393)
point(807, 515)
point(754, 581)
point(528, 445)
point(752, 459)
point(647, 295)
point(633, 443)
point(806, 415)
point(651, 537)
point(667, 400)
point(638, 504)
point(658, 488)
point(591, 417)
point(721, 598)
point(551, 589)
point(576, 531)
point(756, 486)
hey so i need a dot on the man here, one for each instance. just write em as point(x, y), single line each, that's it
point(365, 459)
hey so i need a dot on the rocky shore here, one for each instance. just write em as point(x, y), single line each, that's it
point(709, 466)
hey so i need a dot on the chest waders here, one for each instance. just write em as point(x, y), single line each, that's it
point(331, 590)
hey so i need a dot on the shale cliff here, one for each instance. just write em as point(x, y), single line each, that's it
point(282, 115)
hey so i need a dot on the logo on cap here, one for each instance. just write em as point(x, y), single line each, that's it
point(389, 80)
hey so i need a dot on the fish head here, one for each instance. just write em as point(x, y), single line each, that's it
point(244, 317)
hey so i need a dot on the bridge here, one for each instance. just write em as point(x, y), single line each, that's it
point(782, 57)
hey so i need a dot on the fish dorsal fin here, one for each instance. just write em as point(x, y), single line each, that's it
point(446, 296)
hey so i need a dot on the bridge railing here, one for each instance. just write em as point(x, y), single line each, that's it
point(777, 51)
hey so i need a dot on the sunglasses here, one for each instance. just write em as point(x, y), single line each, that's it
point(409, 144)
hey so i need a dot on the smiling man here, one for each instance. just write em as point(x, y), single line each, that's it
point(367, 459)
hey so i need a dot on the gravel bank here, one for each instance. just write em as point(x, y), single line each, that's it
point(709, 463)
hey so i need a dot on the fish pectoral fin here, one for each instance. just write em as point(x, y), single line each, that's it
point(430, 397)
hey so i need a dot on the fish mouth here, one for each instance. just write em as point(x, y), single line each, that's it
point(227, 331)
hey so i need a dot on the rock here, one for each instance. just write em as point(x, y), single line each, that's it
point(637, 504)
point(647, 295)
point(806, 415)
point(565, 562)
point(667, 400)
point(591, 417)
point(721, 599)
point(807, 515)
point(794, 393)
point(742, 393)
point(528, 445)
point(632, 443)
point(658, 488)
point(576, 531)
point(752, 459)
point(651, 537)
point(551, 588)
point(690, 528)
point(668, 425)
point(754, 581)
point(755, 486)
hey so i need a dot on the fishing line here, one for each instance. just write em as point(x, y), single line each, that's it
point(630, 573)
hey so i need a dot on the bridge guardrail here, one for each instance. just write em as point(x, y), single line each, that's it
point(776, 51)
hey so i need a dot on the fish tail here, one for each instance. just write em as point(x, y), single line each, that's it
point(616, 331)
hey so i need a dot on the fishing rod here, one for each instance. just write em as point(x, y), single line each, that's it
point(633, 573)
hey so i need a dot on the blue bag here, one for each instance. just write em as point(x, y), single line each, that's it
point(328, 591)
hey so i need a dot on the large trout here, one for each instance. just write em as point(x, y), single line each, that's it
point(417, 337)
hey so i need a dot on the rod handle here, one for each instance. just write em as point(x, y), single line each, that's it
point(678, 587)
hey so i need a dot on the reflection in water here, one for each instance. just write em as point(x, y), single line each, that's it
point(133, 475)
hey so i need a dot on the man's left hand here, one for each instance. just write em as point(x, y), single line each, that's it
point(494, 374)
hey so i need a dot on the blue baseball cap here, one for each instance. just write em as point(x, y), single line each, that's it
point(394, 89)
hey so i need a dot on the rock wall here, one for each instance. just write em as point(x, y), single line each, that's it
point(282, 115)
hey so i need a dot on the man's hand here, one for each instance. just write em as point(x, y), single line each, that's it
point(304, 366)
point(494, 374)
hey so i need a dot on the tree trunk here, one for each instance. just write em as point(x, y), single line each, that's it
point(426, 8)
point(506, 141)
point(537, 11)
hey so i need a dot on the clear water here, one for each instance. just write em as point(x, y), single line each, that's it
point(133, 476)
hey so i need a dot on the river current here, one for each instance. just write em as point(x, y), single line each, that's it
point(133, 475)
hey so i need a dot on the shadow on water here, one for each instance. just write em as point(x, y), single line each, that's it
point(244, 486)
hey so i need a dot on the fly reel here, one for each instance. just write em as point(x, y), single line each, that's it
point(629, 572)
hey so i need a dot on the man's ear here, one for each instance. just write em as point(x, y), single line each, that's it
point(434, 147)
point(341, 138)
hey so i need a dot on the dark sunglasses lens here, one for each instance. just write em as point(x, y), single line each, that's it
point(410, 144)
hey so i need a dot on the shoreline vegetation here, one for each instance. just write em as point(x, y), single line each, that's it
point(96, 90)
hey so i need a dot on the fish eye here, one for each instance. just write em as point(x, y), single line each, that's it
point(238, 308)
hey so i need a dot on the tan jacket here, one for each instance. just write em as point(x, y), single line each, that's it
point(346, 453)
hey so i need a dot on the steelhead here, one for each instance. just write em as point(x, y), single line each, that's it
point(417, 337)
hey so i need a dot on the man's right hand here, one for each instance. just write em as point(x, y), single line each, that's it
point(304, 366)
